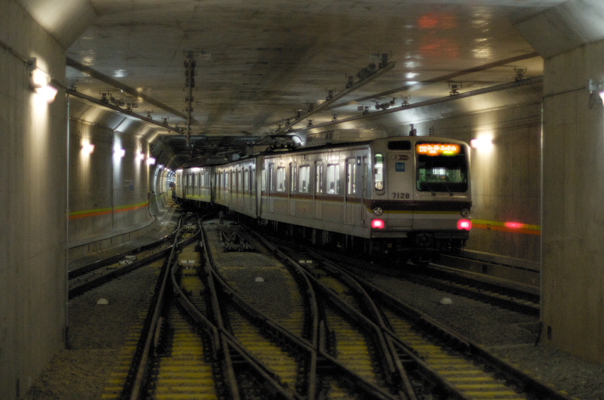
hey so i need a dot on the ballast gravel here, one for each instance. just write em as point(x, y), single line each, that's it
point(97, 332)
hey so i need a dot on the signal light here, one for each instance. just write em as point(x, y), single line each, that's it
point(464, 224)
point(377, 224)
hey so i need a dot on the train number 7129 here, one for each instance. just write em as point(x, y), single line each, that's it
point(400, 195)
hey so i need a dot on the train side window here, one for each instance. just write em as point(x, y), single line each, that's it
point(263, 183)
point(378, 172)
point(319, 178)
point(239, 180)
point(280, 179)
point(304, 179)
point(333, 178)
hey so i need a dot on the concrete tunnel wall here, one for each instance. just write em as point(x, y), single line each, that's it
point(109, 195)
point(573, 216)
point(33, 202)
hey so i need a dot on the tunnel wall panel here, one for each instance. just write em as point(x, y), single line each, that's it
point(109, 194)
point(573, 216)
point(33, 201)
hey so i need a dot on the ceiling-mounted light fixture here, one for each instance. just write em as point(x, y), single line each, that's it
point(40, 82)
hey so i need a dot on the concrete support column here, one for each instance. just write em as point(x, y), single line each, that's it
point(573, 204)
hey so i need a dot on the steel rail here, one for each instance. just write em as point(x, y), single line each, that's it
point(394, 375)
point(323, 359)
point(527, 383)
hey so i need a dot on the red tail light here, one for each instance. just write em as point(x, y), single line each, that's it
point(377, 224)
point(464, 224)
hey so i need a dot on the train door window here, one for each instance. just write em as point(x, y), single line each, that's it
point(280, 179)
point(271, 178)
point(319, 178)
point(246, 180)
point(253, 178)
point(351, 177)
point(304, 179)
point(293, 177)
point(333, 178)
point(226, 180)
point(378, 172)
point(239, 180)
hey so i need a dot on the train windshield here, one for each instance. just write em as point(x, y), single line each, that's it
point(441, 167)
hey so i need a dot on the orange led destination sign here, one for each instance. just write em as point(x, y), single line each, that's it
point(437, 149)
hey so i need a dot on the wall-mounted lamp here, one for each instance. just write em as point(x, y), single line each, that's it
point(88, 148)
point(150, 161)
point(40, 82)
point(595, 87)
point(482, 143)
point(141, 156)
point(119, 153)
point(160, 166)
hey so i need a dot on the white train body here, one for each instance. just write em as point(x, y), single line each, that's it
point(399, 192)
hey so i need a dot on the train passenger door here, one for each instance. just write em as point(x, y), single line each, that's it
point(399, 188)
point(351, 189)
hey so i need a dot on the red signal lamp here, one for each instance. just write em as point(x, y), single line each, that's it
point(464, 224)
point(377, 224)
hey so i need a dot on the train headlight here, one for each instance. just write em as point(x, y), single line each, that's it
point(378, 211)
point(465, 212)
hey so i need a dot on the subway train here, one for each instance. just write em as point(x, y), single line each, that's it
point(406, 195)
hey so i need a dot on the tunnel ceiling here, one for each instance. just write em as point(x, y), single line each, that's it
point(260, 63)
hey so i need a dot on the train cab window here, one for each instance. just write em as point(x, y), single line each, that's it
point(280, 179)
point(333, 178)
point(319, 178)
point(442, 172)
point(399, 145)
point(293, 177)
point(246, 180)
point(304, 179)
point(378, 172)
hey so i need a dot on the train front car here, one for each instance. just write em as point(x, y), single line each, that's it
point(421, 196)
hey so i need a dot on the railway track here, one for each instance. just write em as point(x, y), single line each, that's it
point(444, 364)
point(210, 335)
point(468, 284)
